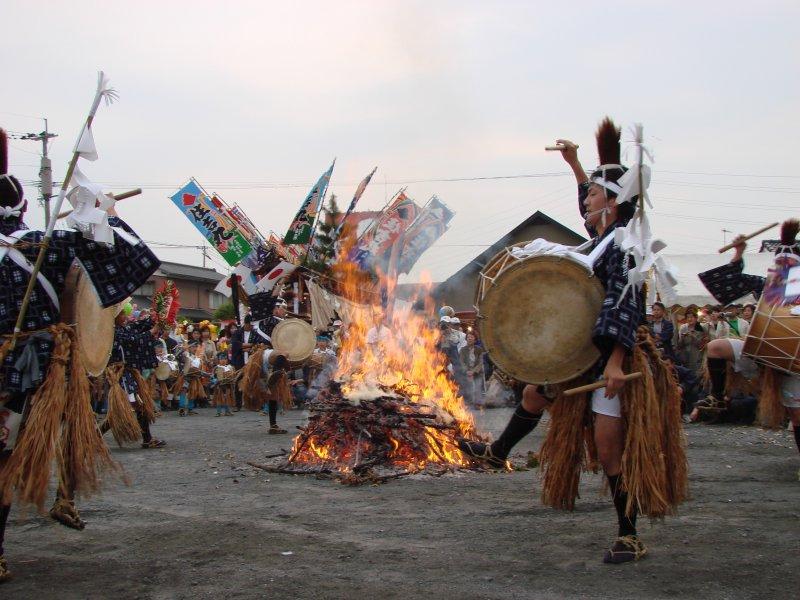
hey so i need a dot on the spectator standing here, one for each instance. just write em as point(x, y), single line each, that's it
point(717, 327)
point(662, 330)
point(471, 357)
point(738, 326)
point(692, 339)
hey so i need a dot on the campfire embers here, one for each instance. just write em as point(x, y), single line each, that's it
point(374, 436)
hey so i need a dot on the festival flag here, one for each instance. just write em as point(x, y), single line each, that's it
point(429, 226)
point(212, 222)
point(374, 247)
point(303, 223)
point(283, 269)
point(356, 197)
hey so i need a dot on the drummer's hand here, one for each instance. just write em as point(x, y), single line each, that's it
point(739, 245)
point(614, 382)
point(613, 372)
point(570, 151)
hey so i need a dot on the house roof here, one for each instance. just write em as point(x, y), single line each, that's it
point(537, 218)
point(181, 271)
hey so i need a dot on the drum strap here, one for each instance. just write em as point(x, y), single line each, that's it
point(21, 261)
point(595, 254)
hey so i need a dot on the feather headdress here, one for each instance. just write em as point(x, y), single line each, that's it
point(10, 188)
point(3, 152)
point(608, 146)
point(789, 231)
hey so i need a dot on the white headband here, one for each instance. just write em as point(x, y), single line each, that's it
point(6, 212)
point(611, 186)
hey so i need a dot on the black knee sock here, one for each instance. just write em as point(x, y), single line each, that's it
point(717, 369)
point(4, 510)
point(627, 524)
point(273, 413)
point(144, 425)
point(521, 424)
point(797, 436)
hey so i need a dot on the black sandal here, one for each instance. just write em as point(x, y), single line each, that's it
point(65, 513)
point(154, 443)
point(5, 574)
point(712, 403)
point(481, 451)
point(273, 429)
point(625, 549)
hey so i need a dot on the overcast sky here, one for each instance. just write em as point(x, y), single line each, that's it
point(255, 99)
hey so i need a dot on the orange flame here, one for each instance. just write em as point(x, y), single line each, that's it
point(398, 350)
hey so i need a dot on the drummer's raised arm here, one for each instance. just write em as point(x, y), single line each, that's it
point(570, 155)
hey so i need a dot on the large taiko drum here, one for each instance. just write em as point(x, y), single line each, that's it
point(774, 337)
point(94, 324)
point(536, 314)
point(295, 339)
point(166, 370)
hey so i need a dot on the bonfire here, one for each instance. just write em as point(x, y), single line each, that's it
point(390, 410)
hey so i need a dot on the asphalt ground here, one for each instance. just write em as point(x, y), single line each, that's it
point(198, 522)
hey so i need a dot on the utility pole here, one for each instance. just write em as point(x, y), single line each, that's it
point(45, 170)
point(204, 250)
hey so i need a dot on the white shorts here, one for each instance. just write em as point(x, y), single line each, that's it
point(606, 406)
point(748, 368)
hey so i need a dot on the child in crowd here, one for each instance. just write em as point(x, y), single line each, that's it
point(223, 386)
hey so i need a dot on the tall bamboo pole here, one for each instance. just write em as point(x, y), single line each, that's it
point(100, 93)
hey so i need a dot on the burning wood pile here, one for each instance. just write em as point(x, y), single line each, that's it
point(391, 410)
point(368, 440)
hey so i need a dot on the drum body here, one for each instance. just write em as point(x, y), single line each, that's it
point(774, 337)
point(295, 339)
point(94, 324)
point(536, 315)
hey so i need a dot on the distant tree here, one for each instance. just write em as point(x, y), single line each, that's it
point(224, 311)
point(323, 251)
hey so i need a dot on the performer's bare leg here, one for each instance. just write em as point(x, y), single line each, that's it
point(5, 509)
point(524, 420)
point(609, 437)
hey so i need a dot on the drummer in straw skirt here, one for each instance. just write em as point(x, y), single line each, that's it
point(131, 407)
point(621, 341)
point(34, 397)
point(780, 391)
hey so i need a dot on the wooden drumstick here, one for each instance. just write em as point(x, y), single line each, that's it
point(122, 196)
point(558, 148)
point(747, 237)
point(600, 384)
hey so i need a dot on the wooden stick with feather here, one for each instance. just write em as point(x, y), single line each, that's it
point(103, 92)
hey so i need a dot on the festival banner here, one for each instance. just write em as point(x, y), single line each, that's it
point(283, 269)
point(373, 249)
point(303, 223)
point(429, 226)
point(216, 226)
point(356, 197)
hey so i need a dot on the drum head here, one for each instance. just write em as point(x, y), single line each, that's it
point(163, 371)
point(774, 338)
point(94, 324)
point(294, 338)
point(536, 319)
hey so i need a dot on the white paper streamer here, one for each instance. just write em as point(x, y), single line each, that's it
point(636, 238)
